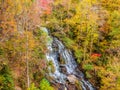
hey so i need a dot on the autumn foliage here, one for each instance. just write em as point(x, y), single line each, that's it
point(90, 28)
point(94, 55)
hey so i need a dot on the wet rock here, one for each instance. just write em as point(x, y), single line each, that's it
point(62, 87)
point(63, 69)
point(71, 87)
point(60, 59)
point(72, 79)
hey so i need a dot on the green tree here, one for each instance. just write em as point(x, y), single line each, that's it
point(6, 80)
point(45, 85)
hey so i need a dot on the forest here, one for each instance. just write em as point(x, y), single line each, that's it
point(86, 32)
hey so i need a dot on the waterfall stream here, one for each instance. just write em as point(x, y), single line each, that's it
point(58, 53)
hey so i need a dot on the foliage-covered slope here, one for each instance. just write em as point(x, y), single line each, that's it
point(90, 28)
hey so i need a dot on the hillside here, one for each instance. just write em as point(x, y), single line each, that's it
point(50, 44)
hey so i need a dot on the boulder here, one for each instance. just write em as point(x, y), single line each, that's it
point(72, 79)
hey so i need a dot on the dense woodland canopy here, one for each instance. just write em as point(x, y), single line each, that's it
point(90, 28)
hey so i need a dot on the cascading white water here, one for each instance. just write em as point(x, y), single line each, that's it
point(67, 56)
point(52, 56)
point(57, 49)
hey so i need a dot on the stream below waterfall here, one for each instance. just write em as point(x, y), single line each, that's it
point(64, 64)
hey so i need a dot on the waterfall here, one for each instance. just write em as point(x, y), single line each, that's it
point(57, 51)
